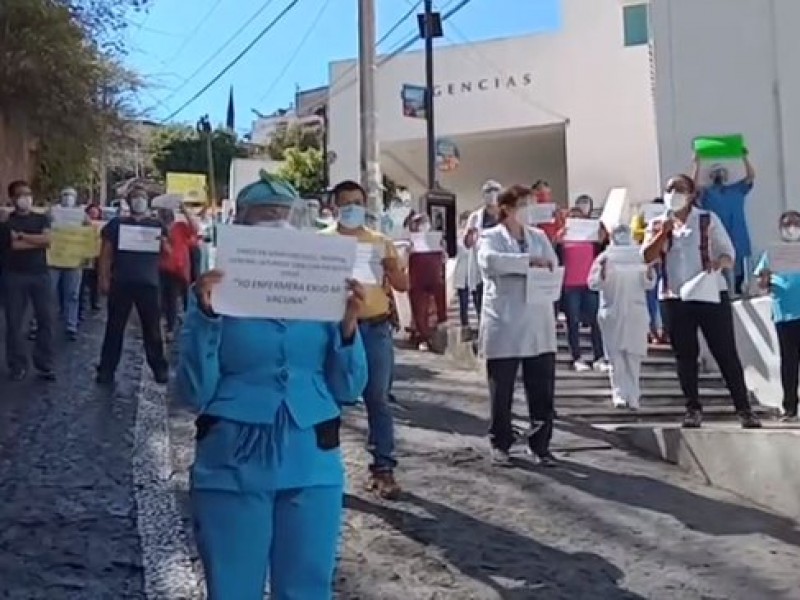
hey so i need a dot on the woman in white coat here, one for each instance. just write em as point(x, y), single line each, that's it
point(514, 332)
point(622, 279)
point(461, 271)
point(483, 218)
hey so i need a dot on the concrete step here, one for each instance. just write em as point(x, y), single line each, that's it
point(563, 359)
point(567, 374)
point(586, 347)
point(647, 384)
point(573, 393)
point(604, 416)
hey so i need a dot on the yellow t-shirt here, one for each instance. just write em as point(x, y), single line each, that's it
point(376, 303)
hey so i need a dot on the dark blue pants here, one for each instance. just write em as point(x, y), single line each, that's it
point(580, 305)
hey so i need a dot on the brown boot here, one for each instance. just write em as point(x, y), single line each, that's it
point(384, 485)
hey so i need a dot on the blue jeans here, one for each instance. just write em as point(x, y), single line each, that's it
point(379, 345)
point(67, 288)
point(580, 305)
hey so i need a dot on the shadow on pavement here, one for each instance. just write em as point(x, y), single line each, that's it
point(714, 517)
point(487, 553)
point(436, 417)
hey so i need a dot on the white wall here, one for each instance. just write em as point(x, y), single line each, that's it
point(582, 74)
point(729, 66)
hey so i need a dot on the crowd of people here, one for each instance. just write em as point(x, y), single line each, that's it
point(267, 481)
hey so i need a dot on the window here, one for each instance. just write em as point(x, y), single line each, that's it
point(635, 18)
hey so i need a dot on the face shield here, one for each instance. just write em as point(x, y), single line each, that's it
point(280, 213)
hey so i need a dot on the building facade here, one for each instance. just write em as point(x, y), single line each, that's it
point(574, 107)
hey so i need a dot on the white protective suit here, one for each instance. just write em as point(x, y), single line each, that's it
point(624, 322)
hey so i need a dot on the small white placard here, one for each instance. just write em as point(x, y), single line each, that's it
point(544, 285)
point(653, 211)
point(542, 213)
point(624, 255)
point(704, 287)
point(368, 268)
point(582, 230)
point(67, 217)
point(615, 208)
point(135, 238)
point(426, 242)
point(784, 258)
point(282, 274)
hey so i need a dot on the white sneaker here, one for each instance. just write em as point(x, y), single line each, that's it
point(601, 366)
point(619, 402)
point(634, 405)
point(581, 366)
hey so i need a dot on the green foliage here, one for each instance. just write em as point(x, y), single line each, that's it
point(181, 149)
point(293, 136)
point(60, 80)
point(304, 169)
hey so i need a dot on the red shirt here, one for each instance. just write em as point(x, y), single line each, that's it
point(182, 237)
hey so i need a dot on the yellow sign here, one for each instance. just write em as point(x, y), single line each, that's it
point(70, 247)
point(192, 186)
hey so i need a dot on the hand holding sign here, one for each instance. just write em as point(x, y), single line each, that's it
point(355, 302)
point(205, 284)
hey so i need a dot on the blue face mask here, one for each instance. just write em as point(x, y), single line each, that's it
point(352, 216)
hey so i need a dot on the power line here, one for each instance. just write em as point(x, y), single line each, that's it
point(296, 52)
point(400, 21)
point(190, 36)
point(239, 57)
point(219, 50)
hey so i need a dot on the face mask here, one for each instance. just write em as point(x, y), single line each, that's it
point(719, 177)
point(584, 208)
point(490, 198)
point(352, 216)
point(622, 238)
point(425, 228)
point(138, 206)
point(24, 203)
point(675, 200)
point(279, 224)
point(790, 233)
point(68, 201)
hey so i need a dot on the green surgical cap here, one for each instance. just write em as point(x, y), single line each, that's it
point(268, 190)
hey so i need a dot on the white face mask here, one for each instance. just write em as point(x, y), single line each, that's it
point(425, 228)
point(622, 238)
point(24, 203)
point(68, 201)
point(790, 233)
point(676, 200)
point(138, 206)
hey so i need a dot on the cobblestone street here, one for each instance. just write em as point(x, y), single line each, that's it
point(78, 462)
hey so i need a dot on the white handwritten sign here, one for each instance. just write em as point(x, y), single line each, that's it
point(282, 274)
point(582, 230)
point(784, 258)
point(615, 208)
point(368, 268)
point(67, 217)
point(544, 285)
point(135, 238)
point(426, 242)
point(542, 213)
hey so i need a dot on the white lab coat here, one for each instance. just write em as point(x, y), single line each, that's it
point(461, 268)
point(509, 326)
point(475, 221)
point(623, 317)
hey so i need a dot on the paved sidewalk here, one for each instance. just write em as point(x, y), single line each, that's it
point(607, 525)
point(67, 518)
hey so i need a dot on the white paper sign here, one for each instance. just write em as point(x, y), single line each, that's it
point(582, 230)
point(135, 238)
point(368, 268)
point(624, 255)
point(67, 217)
point(653, 211)
point(282, 274)
point(542, 213)
point(426, 242)
point(615, 208)
point(544, 285)
point(784, 258)
point(702, 288)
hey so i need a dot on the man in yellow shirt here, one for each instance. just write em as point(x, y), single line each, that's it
point(376, 331)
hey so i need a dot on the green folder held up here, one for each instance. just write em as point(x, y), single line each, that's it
point(719, 147)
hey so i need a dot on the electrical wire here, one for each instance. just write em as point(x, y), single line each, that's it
point(238, 57)
point(413, 8)
point(297, 51)
point(219, 50)
point(190, 36)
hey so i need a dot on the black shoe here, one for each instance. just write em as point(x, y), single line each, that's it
point(47, 375)
point(72, 336)
point(544, 460)
point(161, 377)
point(693, 419)
point(18, 375)
point(104, 378)
point(32, 336)
point(749, 420)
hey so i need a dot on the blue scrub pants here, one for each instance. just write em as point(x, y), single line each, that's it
point(290, 536)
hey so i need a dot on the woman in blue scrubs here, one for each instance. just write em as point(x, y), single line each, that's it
point(267, 481)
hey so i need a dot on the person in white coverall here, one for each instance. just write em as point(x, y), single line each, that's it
point(485, 217)
point(623, 316)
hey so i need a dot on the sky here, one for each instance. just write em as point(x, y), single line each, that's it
point(179, 46)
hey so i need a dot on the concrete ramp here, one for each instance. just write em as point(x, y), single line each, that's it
point(760, 465)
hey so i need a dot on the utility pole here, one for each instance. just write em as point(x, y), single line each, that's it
point(430, 26)
point(367, 66)
point(204, 128)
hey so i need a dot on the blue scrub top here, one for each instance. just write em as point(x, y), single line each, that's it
point(727, 202)
point(785, 290)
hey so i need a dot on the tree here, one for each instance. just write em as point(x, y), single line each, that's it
point(180, 149)
point(296, 135)
point(304, 169)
